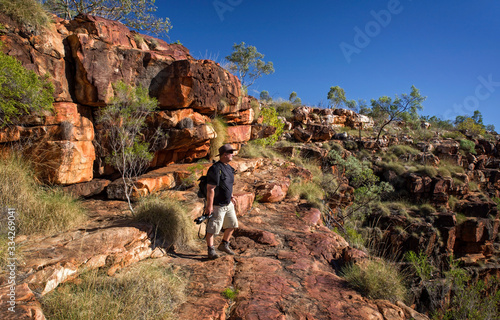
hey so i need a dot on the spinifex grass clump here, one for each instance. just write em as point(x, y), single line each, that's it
point(148, 290)
point(38, 209)
point(169, 218)
point(376, 279)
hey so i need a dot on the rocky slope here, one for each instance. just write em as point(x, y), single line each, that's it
point(284, 267)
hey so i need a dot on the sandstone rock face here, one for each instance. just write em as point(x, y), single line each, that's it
point(84, 58)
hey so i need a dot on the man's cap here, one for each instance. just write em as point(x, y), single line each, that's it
point(227, 148)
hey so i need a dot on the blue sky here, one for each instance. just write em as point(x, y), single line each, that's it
point(450, 50)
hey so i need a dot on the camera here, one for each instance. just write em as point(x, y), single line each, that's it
point(202, 218)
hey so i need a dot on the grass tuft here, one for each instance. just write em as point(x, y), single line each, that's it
point(41, 210)
point(148, 290)
point(376, 279)
point(220, 127)
point(308, 191)
point(169, 218)
point(29, 13)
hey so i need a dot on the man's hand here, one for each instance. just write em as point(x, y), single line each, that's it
point(208, 210)
point(233, 200)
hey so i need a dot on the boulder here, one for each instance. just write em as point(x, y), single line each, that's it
point(243, 202)
point(238, 134)
point(273, 191)
point(25, 306)
point(260, 131)
point(302, 135)
point(54, 260)
point(64, 162)
point(201, 85)
point(87, 189)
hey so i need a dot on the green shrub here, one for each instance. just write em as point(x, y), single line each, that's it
point(271, 118)
point(376, 279)
point(284, 109)
point(468, 146)
point(169, 218)
point(21, 90)
point(473, 186)
point(29, 13)
point(148, 290)
point(444, 172)
point(381, 208)
point(350, 145)
point(230, 294)
point(471, 299)
point(421, 265)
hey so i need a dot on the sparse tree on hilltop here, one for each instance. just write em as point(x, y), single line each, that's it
point(294, 98)
point(247, 62)
point(398, 109)
point(336, 95)
point(136, 14)
point(264, 96)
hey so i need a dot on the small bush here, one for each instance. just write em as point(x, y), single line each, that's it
point(29, 13)
point(284, 109)
point(444, 172)
point(22, 91)
point(451, 167)
point(473, 186)
point(169, 218)
point(270, 117)
point(452, 202)
point(230, 294)
point(148, 290)
point(467, 146)
point(350, 145)
point(376, 279)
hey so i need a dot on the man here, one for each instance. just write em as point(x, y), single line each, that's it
point(220, 180)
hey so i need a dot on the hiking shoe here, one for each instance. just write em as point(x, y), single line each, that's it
point(212, 254)
point(224, 246)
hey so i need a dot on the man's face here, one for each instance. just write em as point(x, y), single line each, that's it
point(226, 157)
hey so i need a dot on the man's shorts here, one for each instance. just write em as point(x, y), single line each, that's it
point(223, 217)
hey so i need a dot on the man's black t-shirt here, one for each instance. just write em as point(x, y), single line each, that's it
point(222, 176)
